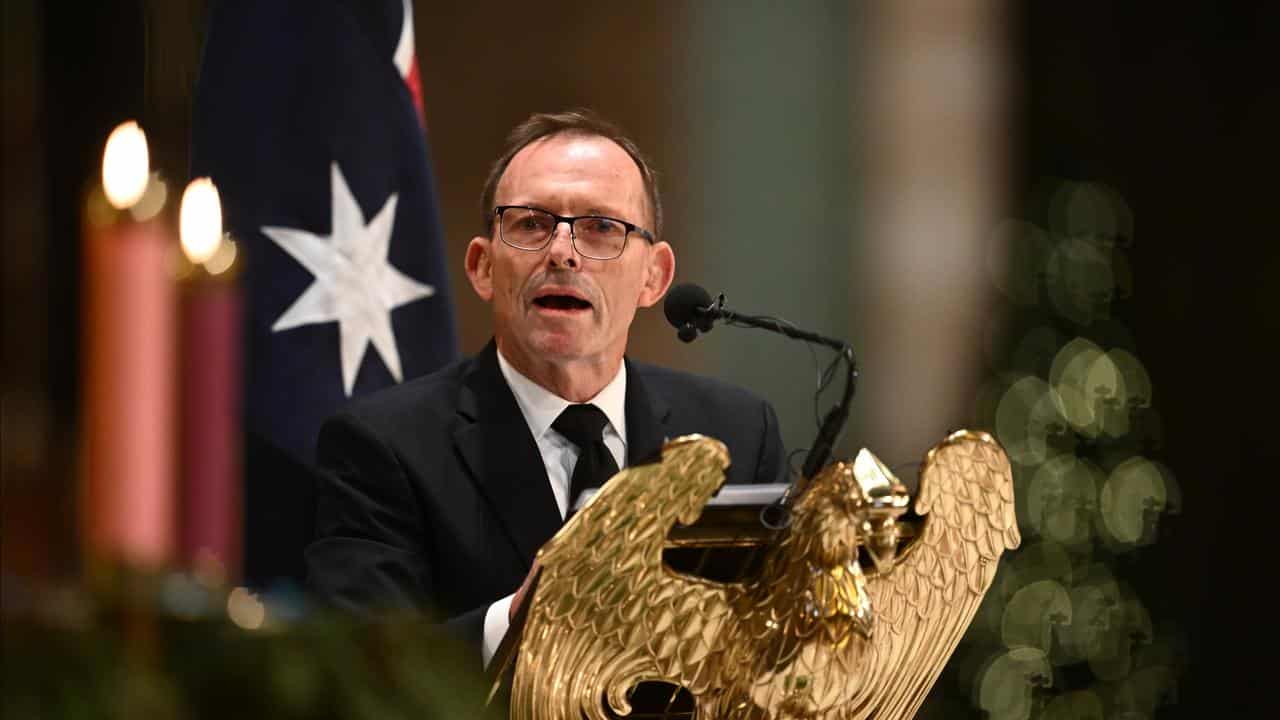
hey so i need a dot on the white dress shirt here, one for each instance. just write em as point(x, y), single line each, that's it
point(540, 408)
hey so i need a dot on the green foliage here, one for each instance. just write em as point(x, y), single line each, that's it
point(142, 650)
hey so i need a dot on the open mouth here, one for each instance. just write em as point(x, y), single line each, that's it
point(561, 302)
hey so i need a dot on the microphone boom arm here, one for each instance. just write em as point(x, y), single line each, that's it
point(691, 309)
point(771, 324)
point(820, 454)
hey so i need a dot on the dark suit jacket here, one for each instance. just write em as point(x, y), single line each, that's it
point(434, 494)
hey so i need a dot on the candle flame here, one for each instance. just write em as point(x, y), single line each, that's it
point(126, 166)
point(200, 220)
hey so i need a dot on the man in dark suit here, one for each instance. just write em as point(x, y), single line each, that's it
point(439, 492)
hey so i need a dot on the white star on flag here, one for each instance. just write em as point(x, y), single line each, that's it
point(354, 283)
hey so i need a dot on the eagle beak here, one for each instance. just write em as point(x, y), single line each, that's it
point(883, 500)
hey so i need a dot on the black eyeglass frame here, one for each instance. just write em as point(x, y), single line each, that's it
point(573, 238)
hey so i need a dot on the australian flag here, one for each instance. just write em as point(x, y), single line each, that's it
point(308, 117)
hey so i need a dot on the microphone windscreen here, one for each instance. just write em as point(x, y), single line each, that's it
point(683, 302)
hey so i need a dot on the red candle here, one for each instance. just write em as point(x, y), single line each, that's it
point(210, 382)
point(129, 316)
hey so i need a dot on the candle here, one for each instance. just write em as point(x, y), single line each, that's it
point(129, 314)
point(210, 381)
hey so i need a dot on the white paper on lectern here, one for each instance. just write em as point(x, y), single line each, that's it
point(728, 496)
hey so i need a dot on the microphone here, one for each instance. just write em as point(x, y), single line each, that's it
point(688, 308)
point(691, 310)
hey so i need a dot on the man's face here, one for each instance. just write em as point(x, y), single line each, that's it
point(554, 305)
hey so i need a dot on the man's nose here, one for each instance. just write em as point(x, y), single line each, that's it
point(560, 251)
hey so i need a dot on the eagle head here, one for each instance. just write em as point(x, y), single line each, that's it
point(849, 508)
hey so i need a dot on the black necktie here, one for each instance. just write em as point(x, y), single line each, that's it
point(583, 425)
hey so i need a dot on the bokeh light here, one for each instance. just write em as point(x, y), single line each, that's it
point(1080, 281)
point(1137, 383)
point(1072, 404)
point(1069, 377)
point(1033, 612)
point(1090, 212)
point(1105, 391)
point(152, 201)
point(1172, 490)
point(245, 609)
point(1062, 499)
point(1045, 560)
point(1078, 705)
point(1029, 421)
point(223, 258)
point(1132, 500)
point(1098, 612)
point(1005, 687)
point(1132, 628)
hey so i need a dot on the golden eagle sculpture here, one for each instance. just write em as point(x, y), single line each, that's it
point(811, 635)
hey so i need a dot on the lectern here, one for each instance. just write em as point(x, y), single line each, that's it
point(666, 596)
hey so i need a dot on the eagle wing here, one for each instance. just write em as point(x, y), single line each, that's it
point(925, 604)
point(607, 614)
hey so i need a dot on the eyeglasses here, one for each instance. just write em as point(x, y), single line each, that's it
point(593, 236)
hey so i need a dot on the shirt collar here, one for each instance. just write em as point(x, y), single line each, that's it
point(541, 407)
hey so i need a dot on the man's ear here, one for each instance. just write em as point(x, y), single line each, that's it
point(659, 273)
point(479, 266)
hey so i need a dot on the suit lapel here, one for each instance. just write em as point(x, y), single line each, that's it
point(647, 416)
point(503, 458)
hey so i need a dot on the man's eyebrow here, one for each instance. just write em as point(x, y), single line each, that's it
point(591, 210)
point(596, 210)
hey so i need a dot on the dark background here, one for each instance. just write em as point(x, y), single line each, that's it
point(1173, 105)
